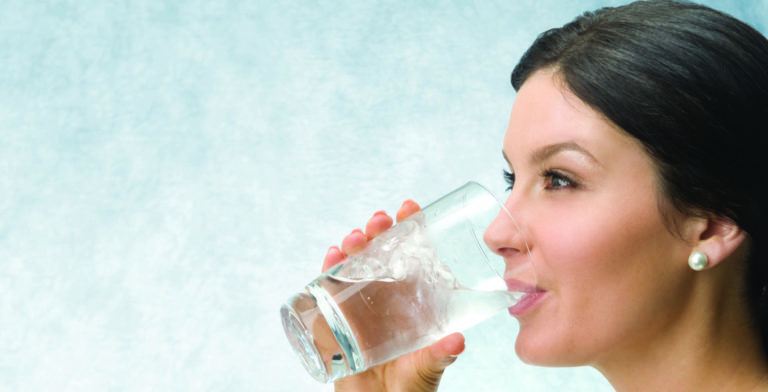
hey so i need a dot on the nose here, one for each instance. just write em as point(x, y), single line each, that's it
point(509, 238)
point(504, 236)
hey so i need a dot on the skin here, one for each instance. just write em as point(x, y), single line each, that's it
point(618, 294)
point(620, 262)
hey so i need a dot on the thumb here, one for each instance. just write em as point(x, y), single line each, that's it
point(431, 362)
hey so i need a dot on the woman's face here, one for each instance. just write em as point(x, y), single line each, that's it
point(613, 276)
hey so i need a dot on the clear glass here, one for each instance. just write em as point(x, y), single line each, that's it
point(426, 277)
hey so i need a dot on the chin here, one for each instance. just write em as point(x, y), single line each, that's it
point(532, 356)
point(542, 352)
point(529, 350)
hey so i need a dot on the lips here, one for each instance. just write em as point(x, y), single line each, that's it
point(533, 295)
point(520, 286)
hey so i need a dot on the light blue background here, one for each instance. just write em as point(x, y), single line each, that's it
point(171, 172)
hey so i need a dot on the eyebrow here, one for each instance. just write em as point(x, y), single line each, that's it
point(548, 151)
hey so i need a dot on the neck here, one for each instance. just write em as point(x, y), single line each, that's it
point(707, 348)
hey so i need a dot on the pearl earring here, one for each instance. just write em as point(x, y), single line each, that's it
point(698, 261)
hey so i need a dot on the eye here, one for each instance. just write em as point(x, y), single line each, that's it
point(556, 180)
point(509, 177)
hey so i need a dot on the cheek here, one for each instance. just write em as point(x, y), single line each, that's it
point(579, 243)
point(601, 267)
point(591, 240)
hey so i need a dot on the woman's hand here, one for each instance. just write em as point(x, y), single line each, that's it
point(418, 371)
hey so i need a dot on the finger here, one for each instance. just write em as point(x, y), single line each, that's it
point(448, 347)
point(408, 208)
point(442, 354)
point(379, 223)
point(354, 242)
point(431, 362)
point(333, 257)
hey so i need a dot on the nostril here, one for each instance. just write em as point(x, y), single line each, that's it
point(507, 252)
point(504, 236)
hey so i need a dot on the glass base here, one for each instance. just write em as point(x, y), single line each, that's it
point(303, 343)
point(320, 336)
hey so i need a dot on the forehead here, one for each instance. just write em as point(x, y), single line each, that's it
point(545, 112)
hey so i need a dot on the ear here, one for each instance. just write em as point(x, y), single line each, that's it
point(717, 237)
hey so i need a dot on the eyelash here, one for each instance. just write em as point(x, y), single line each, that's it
point(553, 175)
point(509, 177)
point(550, 174)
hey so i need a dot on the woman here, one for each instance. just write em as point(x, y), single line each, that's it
point(635, 146)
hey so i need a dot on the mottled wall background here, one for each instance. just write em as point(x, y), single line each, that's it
point(170, 172)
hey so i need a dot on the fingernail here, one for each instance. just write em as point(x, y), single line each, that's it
point(377, 213)
point(448, 360)
point(356, 231)
point(333, 249)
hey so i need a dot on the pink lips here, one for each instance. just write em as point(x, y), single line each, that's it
point(533, 295)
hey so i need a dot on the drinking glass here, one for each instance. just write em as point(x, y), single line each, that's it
point(426, 277)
